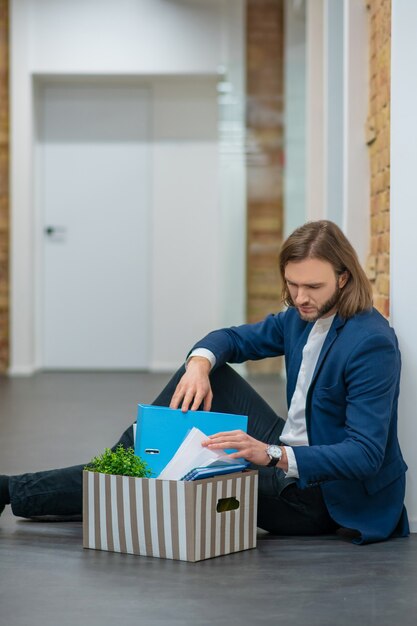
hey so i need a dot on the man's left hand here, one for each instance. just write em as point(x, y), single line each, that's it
point(247, 447)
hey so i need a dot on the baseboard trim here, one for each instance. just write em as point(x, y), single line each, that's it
point(413, 526)
point(21, 370)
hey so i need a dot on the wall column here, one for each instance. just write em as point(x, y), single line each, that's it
point(378, 139)
point(404, 227)
point(265, 137)
point(4, 185)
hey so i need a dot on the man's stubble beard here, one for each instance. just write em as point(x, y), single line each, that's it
point(326, 308)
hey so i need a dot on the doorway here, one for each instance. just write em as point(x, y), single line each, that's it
point(93, 193)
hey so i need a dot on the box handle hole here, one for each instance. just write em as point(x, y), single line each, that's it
point(227, 504)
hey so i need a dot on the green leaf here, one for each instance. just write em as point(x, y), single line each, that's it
point(122, 462)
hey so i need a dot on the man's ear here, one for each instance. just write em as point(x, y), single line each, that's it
point(343, 278)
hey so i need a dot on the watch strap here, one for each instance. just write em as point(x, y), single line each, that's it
point(273, 462)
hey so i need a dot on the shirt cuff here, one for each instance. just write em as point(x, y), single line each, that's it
point(207, 354)
point(292, 463)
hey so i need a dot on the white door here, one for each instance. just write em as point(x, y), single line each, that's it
point(94, 193)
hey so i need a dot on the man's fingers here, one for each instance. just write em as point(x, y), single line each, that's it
point(175, 401)
point(177, 397)
point(194, 388)
point(192, 401)
point(197, 401)
point(230, 433)
point(245, 445)
point(207, 401)
point(185, 404)
point(224, 444)
point(204, 398)
point(237, 439)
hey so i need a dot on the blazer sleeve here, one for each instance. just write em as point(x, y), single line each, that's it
point(368, 400)
point(247, 342)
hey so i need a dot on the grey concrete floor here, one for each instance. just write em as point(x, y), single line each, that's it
point(46, 578)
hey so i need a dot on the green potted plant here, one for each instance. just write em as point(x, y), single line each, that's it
point(121, 462)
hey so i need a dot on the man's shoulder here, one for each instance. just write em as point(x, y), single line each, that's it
point(370, 318)
point(368, 323)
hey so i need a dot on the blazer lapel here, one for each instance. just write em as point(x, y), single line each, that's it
point(338, 322)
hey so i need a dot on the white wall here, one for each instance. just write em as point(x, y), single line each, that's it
point(295, 114)
point(146, 40)
point(185, 218)
point(337, 160)
point(315, 152)
point(404, 227)
point(333, 109)
point(232, 137)
point(356, 176)
point(130, 36)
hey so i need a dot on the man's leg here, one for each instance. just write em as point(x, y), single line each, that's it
point(58, 492)
point(55, 492)
point(291, 511)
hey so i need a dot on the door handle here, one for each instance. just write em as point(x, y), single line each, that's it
point(56, 233)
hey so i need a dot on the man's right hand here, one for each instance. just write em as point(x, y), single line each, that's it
point(194, 387)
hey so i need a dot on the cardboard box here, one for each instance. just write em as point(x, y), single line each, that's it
point(170, 519)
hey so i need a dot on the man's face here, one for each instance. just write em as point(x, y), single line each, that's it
point(314, 288)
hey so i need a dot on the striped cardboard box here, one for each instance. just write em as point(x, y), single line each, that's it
point(167, 518)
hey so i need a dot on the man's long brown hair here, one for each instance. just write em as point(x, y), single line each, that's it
point(324, 240)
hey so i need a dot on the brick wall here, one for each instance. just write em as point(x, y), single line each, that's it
point(4, 187)
point(378, 139)
point(265, 88)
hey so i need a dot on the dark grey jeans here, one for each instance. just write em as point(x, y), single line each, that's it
point(283, 508)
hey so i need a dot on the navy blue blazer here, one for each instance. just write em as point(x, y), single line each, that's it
point(351, 413)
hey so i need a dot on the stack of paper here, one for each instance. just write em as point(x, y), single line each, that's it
point(192, 461)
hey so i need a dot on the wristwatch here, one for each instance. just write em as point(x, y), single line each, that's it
point(275, 454)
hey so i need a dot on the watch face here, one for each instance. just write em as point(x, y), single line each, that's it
point(274, 452)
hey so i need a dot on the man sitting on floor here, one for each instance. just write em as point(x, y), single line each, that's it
point(336, 461)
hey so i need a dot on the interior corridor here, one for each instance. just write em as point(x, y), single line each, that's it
point(47, 578)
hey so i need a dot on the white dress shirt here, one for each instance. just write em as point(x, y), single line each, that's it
point(294, 432)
